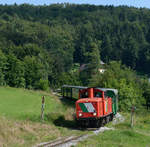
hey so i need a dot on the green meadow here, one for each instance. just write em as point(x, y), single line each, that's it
point(24, 104)
point(20, 122)
point(21, 126)
point(123, 135)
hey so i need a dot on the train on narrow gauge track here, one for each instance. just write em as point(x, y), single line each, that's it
point(94, 106)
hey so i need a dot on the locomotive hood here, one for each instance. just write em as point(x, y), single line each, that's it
point(88, 105)
point(86, 100)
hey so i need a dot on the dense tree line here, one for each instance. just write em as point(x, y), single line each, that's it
point(40, 45)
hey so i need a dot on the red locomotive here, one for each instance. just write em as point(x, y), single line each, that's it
point(95, 106)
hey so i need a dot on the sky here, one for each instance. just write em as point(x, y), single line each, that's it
point(135, 3)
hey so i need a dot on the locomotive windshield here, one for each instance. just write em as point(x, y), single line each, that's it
point(84, 95)
point(98, 94)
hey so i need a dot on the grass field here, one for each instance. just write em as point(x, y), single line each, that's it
point(20, 123)
point(25, 104)
point(124, 135)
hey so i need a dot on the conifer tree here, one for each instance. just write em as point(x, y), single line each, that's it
point(92, 61)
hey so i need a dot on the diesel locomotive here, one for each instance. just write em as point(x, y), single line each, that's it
point(94, 106)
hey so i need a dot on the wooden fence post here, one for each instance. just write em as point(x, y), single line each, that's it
point(132, 115)
point(42, 108)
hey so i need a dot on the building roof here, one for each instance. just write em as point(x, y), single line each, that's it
point(101, 62)
point(85, 66)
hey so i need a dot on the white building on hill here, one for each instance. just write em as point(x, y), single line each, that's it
point(85, 66)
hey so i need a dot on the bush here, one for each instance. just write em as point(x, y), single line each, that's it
point(42, 84)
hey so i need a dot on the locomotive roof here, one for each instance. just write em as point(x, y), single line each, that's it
point(109, 89)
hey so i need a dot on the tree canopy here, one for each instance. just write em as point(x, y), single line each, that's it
point(40, 45)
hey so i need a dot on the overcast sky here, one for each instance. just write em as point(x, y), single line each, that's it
point(135, 3)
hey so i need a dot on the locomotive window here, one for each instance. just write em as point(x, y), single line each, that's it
point(84, 95)
point(97, 94)
point(105, 95)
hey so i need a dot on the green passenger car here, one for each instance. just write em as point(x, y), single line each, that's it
point(70, 91)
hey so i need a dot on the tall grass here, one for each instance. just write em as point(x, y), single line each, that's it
point(20, 123)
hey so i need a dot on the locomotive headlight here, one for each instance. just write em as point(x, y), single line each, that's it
point(80, 114)
point(94, 113)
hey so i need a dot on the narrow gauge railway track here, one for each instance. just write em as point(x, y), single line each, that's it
point(72, 140)
point(62, 141)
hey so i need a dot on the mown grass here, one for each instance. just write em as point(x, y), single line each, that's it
point(25, 104)
point(118, 138)
point(20, 123)
point(124, 135)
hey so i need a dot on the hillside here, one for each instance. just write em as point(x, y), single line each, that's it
point(20, 123)
point(50, 40)
point(43, 47)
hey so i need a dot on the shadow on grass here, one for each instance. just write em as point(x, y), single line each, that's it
point(123, 126)
point(59, 120)
point(55, 118)
point(69, 102)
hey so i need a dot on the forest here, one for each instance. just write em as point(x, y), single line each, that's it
point(44, 46)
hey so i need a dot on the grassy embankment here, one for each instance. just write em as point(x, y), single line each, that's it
point(124, 135)
point(20, 123)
